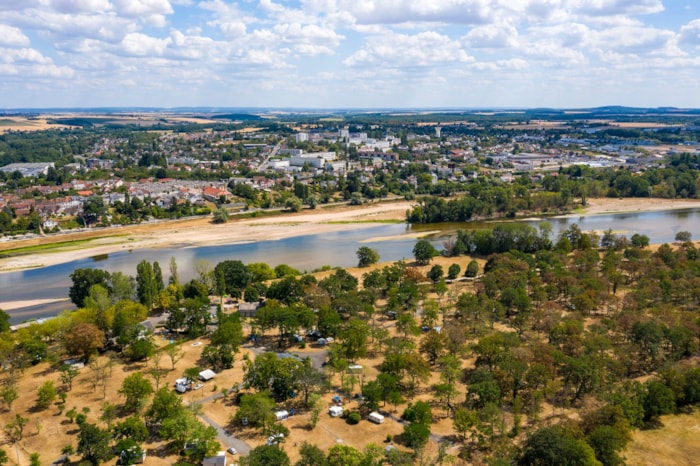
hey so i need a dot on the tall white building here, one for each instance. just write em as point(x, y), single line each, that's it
point(301, 137)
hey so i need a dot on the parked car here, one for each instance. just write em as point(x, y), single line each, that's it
point(232, 450)
point(274, 439)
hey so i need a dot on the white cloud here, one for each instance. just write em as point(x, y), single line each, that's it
point(617, 7)
point(403, 11)
point(420, 50)
point(12, 36)
point(690, 33)
point(310, 39)
point(30, 63)
point(492, 36)
point(632, 40)
point(141, 45)
point(81, 6)
point(229, 19)
point(142, 8)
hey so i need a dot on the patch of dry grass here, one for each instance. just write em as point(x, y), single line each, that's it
point(677, 443)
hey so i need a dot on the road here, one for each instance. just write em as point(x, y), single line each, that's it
point(272, 153)
point(225, 437)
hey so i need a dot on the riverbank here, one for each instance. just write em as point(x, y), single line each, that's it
point(196, 232)
point(201, 232)
point(606, 205)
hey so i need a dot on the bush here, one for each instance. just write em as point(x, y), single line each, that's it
point(453, 271)
point(354, 418)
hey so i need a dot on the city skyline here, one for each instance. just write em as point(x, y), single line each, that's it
point(349, 54)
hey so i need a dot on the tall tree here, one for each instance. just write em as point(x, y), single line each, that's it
point(146, 287)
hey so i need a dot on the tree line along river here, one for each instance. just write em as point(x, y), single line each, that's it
point(310, 252)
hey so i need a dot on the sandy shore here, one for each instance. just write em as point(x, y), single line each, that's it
point(608, 205)
point(200, 232)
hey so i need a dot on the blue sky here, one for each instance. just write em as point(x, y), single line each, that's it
point(349, 53)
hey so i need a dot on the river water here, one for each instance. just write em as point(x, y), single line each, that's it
point(309, 252)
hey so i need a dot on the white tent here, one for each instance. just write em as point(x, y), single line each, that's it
point(207, 374)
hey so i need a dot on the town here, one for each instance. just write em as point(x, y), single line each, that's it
point(101, 174)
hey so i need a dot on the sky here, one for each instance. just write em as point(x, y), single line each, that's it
point(349, 53)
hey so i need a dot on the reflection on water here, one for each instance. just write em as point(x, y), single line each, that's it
point(312, 251)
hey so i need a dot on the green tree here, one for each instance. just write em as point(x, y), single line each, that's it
point(15, 430)
point(436, 273)
point(344, 455)
point(93, 443)
point(83, 280)
point(8, 395)
point(220, 215)
point(135, 389)
point(453, 271)
point(257, 409)
point(236, 276)
point(684, 236)
point(146, 286)
point(132, 428)
point(310, 455)
point(46, 395)
point(165, 403)
point(556, 446)
point(293, 204)
point(464, 421)
point(367, 256)
point(265, 455)
point(4, 321)
point(423, 251)
point(639, 241)
point(68, 373)
point(472, 269)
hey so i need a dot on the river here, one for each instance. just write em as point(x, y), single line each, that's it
point(308, 252)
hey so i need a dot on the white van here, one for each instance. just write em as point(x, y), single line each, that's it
point(376, 417)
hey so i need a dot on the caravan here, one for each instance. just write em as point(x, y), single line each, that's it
point(375, 417)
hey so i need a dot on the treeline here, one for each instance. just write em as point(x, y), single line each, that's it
point(483, 201)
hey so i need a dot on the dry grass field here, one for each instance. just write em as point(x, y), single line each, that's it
point(677, 443)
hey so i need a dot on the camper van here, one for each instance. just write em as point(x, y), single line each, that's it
point(376, 417)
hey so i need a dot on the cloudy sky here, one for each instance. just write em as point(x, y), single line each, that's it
point(349, 53)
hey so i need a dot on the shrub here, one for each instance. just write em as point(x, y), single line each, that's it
point(354, 418)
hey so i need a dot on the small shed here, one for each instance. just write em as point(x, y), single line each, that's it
point(218, 460)
point(335, 411)
point(207, 374)
point(248, 309)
